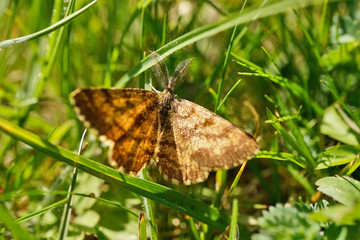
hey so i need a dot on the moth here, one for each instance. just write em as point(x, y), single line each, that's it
point(186, 140)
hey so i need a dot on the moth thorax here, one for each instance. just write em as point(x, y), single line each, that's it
point(165, 102)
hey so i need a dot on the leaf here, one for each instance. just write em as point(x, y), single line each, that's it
point(287, 222)
point(142, 227)
point(312, 207)
point(341, 54)
point(343, 189)
point(335, 126)
point(339, 214)
point(337, 155)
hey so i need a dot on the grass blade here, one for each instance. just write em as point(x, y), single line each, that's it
point(17, 231)
point(302, 180)
point(12, 42)
point(156, 192)
point(212, 29)
point(42, 211)
point(228, 94)
point(142, 227)
point(234, 229)
point(302, 150)
point(149, 212)
point(65, 219)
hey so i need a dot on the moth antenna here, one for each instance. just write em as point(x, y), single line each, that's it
point(153, 88)
point(159, 69)
point(181, 72)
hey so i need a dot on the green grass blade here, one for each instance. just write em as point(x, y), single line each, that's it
point(228, 94)
point(226, 61)
point(42, 211)
point(295, 88)
point(15, 7)
point(234, 229)
point(12, 42)
point(194, 231)
point(156, 192)
point(302, 150)
point(301, 179)
point(65, 219)
point(281, 156)
point(323, 23)
point(149, 212)
point(313, 45)
point(353, 166)
point(8, 196)
point(212, 29)
point(272, 60)
point(142, 227)
point(221, 177)
point(17, 231)
point(236, 180)
point(332, 89)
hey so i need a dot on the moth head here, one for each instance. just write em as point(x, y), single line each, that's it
point(161, 72)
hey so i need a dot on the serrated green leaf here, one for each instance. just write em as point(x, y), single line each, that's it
point(287, 222)
point(312, 207)
point(343, 189)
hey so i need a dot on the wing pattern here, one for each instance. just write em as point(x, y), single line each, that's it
point(127, 119)
point(201, 141)
point(191, 141)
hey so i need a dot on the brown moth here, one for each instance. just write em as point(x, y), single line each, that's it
point(186, 140)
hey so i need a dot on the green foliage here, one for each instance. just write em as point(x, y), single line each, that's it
point(287, 222)
point(142, 227)
point(343, 189)
point(299, 66)
point(337, 125)
point(303, 221)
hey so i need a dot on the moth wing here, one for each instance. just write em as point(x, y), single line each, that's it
point(172, 163)
point(207, 139)
point(126, 119)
